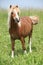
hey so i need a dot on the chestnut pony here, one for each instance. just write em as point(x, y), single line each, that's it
point(19, 28)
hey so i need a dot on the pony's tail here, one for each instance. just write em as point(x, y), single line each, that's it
point(34, 19)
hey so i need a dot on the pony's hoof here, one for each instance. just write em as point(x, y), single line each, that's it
point(25, 52)
point(12, 56)
point(30, 51)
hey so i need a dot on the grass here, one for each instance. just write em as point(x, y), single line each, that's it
point(34, 58)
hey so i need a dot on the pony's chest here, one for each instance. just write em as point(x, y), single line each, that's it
point(14, 33)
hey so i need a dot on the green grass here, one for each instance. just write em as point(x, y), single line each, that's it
point(34, 58)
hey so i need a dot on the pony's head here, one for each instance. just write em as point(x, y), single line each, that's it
point(14, 12)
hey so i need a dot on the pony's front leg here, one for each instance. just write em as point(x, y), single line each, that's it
point(13, 43)
point(23, 44)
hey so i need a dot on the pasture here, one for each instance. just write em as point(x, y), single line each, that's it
point(34, 58)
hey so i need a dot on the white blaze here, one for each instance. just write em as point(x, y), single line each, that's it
point(16, 15)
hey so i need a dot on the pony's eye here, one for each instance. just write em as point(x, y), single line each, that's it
point(13, 14)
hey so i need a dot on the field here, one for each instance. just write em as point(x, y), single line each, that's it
point(34, 58)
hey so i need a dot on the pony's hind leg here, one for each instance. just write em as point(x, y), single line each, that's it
point(23, 45)
point(30, 42)
point(13, 43)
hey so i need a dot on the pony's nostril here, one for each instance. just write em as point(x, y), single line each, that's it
point(17, 20)
point(11, 12)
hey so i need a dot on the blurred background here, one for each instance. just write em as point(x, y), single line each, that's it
point(22, 3)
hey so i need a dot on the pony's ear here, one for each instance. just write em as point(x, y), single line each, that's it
point(10, 6)
point(17, 6)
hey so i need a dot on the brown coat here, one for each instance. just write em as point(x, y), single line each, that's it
point(26, 28)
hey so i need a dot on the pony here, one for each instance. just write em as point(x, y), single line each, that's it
point(19, 27)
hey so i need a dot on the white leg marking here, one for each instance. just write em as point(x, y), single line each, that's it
point(30, 46)
point(25, 52)
point(12, 54)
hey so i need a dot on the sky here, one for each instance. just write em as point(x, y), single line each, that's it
point(22, 3)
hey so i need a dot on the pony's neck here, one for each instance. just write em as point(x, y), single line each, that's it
point(13, 24)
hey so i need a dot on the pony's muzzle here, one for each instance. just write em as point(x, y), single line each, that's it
point(17, 20)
